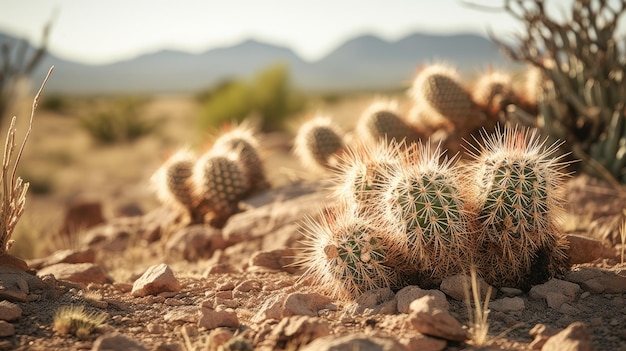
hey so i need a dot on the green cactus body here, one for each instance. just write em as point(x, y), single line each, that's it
point(345, 255)
point(439, 87)
point(242, 141)
point(381, 122)
point(423, 201)
point(318, 141)
point(517, 183)
point(220, 182)
point(173, 181)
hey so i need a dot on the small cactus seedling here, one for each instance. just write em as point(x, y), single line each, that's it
point(424, 209)
point(220, 182)
point(318, 142)
point(243, 142)
point(361, 175)
point(381, 122)
point(172, 181)
point(516, 180)
point(439, 87)
point(345, 255)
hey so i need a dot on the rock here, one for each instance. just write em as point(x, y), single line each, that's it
point(80, 216)
point(16, 284)
point(10, 261)
point(377, 301)
point(64, 256)
point(296, 331)
point(116, 342)
point(583, 249)
point(182, 314)
point(507, 304)
point(353, 342)
point(108, 237)
point(428, 319)
point(272, 308)
point(511, 292)
point(555, 292)
point(195, 242)
point(541, 333)
point(412, 292)
point(218, 317)
point(573, 338)
point(305, 304)
point(423, 343)
point(9, 311)
point(598, 280)
point(82, 273)
point(6, 329)
point(155, 280)
point(457, 286)
point(176, 346)
point(274, 259)
point(218, 337)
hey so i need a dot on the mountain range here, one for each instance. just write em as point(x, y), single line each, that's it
point(366, 62)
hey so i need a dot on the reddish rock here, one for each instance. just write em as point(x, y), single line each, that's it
point(81, 216)
point(573, 338)
point(157, 279)
point(583, 249)
point(82, 273)
point(428, 319)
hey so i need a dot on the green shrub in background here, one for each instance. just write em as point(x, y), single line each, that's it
point(268, 95)
point(120, 122)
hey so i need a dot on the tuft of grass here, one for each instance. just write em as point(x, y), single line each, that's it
point(74, 320)
point(479, 313)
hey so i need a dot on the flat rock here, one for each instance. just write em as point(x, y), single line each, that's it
point(598, 280)
point(555, 292)
point(291, 330)
point(376, 301)
point(9, 311)
point(218, 317)
point(196, 241)
point(82, 273)
point(457, 286)
point(353, 342)
point(573, 338)
point(423, 342)
point(410, 293)
point(306, 304)
point(6, 329)
point(428, 319)
point(583, 249)
point(182, 314)
point(64, 256)
point(116, 342)
point(80, 216)
point(507, 304)
point(157, 279)
point(272, 259)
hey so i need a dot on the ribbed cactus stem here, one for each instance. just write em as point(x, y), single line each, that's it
point(381, 121)
point(345, 255)
point(172, 182)
point(318, 142)
point(220, 182)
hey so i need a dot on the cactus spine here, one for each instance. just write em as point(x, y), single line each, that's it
point(220, 182)
point(346, 255)
point(516, 180)
point(172, 182)
point(382, 121)
point(493, 92)
point(318, 142)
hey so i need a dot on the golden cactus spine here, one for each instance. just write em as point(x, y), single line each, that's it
point(173, 184)
point(381, 121)
point(318, 143)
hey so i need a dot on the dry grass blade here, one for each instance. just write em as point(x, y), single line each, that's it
point(13, 188)
point(622, 234)
point(478, 315)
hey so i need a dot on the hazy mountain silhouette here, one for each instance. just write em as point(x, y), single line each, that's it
point(364, 62)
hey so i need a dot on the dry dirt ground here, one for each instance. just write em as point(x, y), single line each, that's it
point(246, 267)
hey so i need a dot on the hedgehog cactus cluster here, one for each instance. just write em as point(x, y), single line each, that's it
point(208, 188)
point(433, 216)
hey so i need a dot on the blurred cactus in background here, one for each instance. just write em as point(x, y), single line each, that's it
point(583, 96)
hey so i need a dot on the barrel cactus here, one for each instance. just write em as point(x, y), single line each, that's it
point(381, 121)
point(318, 142)
point(172, 182)
point(517, 202)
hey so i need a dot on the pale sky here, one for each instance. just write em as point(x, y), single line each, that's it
point(105, 31)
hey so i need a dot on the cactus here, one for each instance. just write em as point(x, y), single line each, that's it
point(516, 182)
point(173, 184)
point(361, 175)
point(425, 212)
point(242, 141)
point(345, 255)
point(381, 121)
point(439, 88)
point(318, 142)
point(219, 182)
point(493, 92)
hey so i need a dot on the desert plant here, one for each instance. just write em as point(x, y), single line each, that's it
point(318, 142)
point(242, 141)
point(119, 123)
point(492, 92)
point(219, 183)
point(18, 62)
point(424, 211)
point(76, 321)
point(345, 254)
point(479, 314)
point(583, 65)
point(173, 184)
point(381, 121)
point(517, 202)
point(13, 187)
